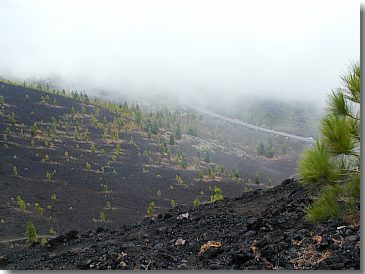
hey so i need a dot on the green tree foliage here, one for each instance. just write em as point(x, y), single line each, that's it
point(178, 132)
point(118, 149)
point(332, 166)
point(11, 118)
point(108, 205)
point(257, 178)
point(217, 194)
point(179, 180)
point(31, 232)
point(261, 149)
point(184, 161)
point(34, 129)
point(52, 231)
point(93, 147)
point(210, 173)
point(44, 241)
point(138, 115)
point(172, 139)
point(102, 216)
point(21, 203)
point(207, 157)
point(269, 182)
point(151, 209)
point(196, 202)
point(15, 171)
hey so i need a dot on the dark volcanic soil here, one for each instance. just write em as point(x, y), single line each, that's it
point(131, 179)
point(259, 230)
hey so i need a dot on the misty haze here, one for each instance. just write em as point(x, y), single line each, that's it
point(144, 135)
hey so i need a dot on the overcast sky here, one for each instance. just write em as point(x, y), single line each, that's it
point(293, 49)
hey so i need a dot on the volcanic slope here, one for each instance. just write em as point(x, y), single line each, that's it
point(259, 230)
point(74, 164)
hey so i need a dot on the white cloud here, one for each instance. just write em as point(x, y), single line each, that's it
point(295, 49)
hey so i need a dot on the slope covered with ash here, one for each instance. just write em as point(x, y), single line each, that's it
point(259, 230)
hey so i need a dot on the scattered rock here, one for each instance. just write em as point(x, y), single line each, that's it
point(180, 241)
point(183, 216)
point(258, 232)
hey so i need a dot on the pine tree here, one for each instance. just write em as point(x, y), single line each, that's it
point(257, 178)
point(332, 167)
point(151, 209)
point(196, 202)
point(207, 157)
point(178, 132)
point(31, 232)
point(217, 194)
point(172, 139)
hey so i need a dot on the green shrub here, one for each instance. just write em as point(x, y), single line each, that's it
point(31, 232)
point(151, 209)
point(179, 179)
point(102, 217)
point(207, 157)
point(44, 241)
point(108, 205)
point(21, 203)
point(196, 202)
point(217, 194)
point(210, 173)
point(257, 178)
point(172, 139)
point(15, 171)
point(88, 166)
point(52, 231)
point(34, 129)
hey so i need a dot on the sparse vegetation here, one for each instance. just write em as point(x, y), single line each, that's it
point(31, 232)
point(257, 178)
point(196, 202)
point(151, 209)
point(217, 195)
point(15, 171)
point(102, 217)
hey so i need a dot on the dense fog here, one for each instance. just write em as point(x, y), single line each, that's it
point(197, 51)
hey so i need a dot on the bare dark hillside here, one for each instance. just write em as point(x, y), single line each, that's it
point(75, 164)
point(259, 230)
point(87, 172)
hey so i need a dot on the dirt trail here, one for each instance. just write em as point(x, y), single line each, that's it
point(48, 236)
point(238, 122)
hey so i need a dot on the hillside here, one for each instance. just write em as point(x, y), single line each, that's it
point(72, 162)
point(86, 172)
point(258, 230)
